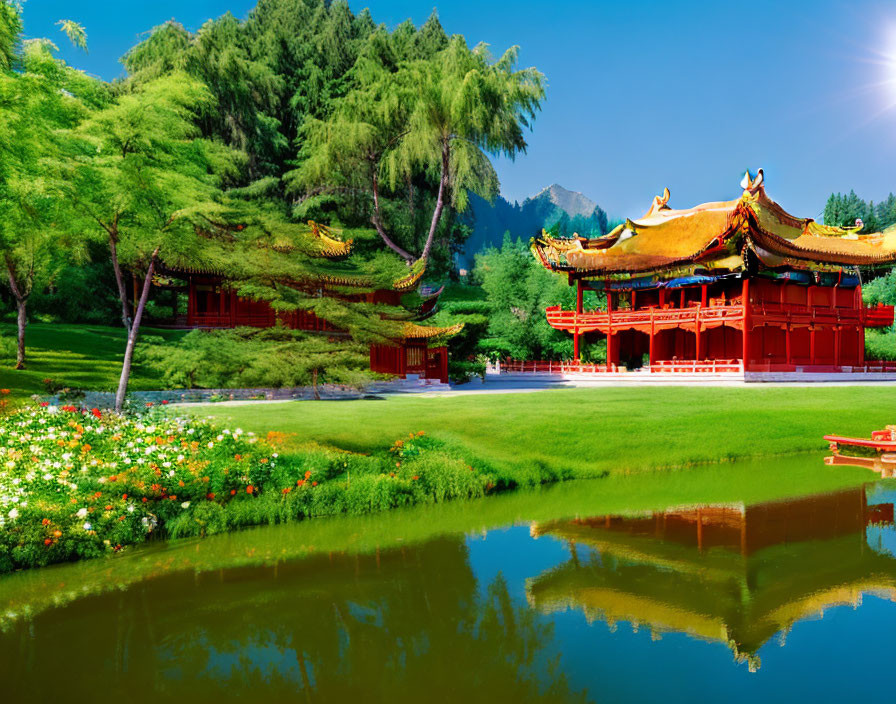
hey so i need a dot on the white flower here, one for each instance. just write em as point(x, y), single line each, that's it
point(130, 509)
point(171, 473)
point(14, 513)
point(185, 504)
point(211, 444)
point(275, 455)
point(87, 526)
point(82, 513)
point(11, 464)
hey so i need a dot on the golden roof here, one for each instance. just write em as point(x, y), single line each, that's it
point(413, 331)
point(713, 237)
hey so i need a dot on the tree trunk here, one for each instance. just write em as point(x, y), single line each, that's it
point(21, 311)
point(133, 333)
point(21, 322)
point(378, 223)
point(440, 202)
point(119, 280)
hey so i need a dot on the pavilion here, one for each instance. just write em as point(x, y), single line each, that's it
point(738, 286)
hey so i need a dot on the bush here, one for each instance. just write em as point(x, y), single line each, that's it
point(880, 345)
point(76, 483)
point(248, 357)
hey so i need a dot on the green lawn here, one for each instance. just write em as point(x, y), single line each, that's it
point(588, 432)
point(80, 356)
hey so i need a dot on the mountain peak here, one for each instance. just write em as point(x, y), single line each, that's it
point(572, 202)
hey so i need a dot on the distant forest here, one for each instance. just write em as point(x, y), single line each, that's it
point(844, 209)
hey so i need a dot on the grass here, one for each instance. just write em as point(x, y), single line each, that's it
point(79, 356)
point(588, 432)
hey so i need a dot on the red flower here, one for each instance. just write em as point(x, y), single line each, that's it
point(145, 499)
point(4, 391)
point(233, 492)
point(210, 496)
point(44, 404)
point(299, 482)
point(250, 489)
point(313, 483)
point(415, 477)
point(165, 402)
point(47, 541)
point(173, 497)
point(109, 507)
point(124, 497)
point(46, 521)
point(287, 490)
point(113, 478)
point(96, 412)
point(149, 404)
point(308, 474)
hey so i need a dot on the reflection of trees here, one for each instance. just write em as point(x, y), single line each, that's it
point(404, 625)
point(734, 574)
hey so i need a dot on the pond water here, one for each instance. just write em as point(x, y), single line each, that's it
point(532, 598)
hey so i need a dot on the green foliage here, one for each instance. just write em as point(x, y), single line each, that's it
point(249, 357)
point(92, 483)
point(518, 290)
point(880, 345)
point(844, 210)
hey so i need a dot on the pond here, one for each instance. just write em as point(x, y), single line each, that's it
point(574, 593)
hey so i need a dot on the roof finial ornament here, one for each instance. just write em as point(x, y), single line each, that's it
point(750, 184)
point(659, 203)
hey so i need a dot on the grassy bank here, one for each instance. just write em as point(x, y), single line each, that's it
point(27, 593)
point(587, 432)
point(77, 356)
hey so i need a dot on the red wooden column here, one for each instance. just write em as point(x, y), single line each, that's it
point(703, 296)
point(579, 311)
point(697, 337)
point(652, 352)
point(838, 339)
point(812, 345)
point(745, 299)
point(789, 348)
point(609, 330)
point(191, 303)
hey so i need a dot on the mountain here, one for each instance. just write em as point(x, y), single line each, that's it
point(571, 202)
point(555, 208)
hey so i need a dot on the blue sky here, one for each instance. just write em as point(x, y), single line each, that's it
point(642, 95)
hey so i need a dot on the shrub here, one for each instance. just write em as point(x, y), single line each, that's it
point(77, 483)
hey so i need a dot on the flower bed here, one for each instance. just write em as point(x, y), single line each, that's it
point(79, 483)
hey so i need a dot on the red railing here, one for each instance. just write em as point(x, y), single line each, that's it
point(644, 319)
point(514, 366)
point(879, 316)
point(693, 366)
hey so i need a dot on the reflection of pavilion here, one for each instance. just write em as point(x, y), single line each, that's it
point(729, 573)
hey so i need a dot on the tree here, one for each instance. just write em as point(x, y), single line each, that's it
point(132, 169)
point(42, 96)
point(440, 116)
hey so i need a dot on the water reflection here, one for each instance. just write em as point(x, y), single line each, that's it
point(729, 573)
point(523, 612)
point(403, 625)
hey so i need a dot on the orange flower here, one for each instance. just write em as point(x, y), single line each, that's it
point(210, 495)
point(85, 447)
point(109, 507)
point(46, 521)
point(415, 477)
point(250, 489)
point(263, 460)
point(233, 492)
point(124, 497)
point(57, 533)
point(287, 490)
point(300, 482)
point(47, 541)
point(4, 391)
point(181, 483)
point(237, 457)
point(313, 483)
point(145, 499)
point(308, 474)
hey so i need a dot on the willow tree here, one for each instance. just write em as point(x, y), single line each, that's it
point(441, 117)
point(132, 168)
